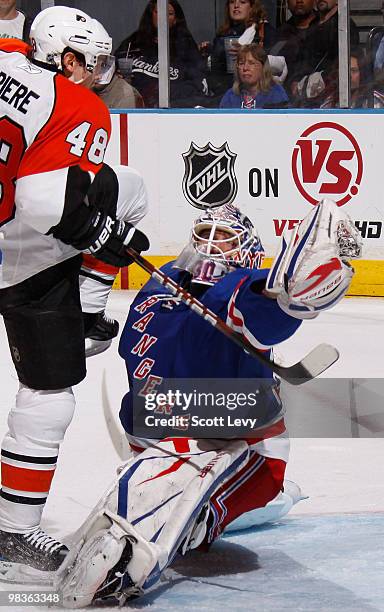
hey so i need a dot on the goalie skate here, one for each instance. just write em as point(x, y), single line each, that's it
point(101, 567)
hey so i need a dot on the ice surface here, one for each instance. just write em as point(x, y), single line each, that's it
point(326, 556)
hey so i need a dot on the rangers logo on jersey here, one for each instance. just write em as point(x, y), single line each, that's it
point(209, 180)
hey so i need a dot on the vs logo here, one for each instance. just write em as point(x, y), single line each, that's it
point(327, 162)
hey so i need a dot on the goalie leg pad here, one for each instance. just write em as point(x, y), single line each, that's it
point(154, 502)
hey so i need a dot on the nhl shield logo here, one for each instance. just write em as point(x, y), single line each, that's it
point(209, 180)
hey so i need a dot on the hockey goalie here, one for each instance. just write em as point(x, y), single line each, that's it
point(178, 494)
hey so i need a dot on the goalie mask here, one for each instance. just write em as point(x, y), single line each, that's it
point(221, 241)
point(60, 27)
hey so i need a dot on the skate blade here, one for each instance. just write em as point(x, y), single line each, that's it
point(19, 573)
point(95, 347)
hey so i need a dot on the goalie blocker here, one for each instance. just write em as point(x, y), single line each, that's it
point(310, 272)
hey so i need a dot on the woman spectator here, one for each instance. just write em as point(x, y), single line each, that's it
point(254, 86)
point(239, 16)
point(186, 73)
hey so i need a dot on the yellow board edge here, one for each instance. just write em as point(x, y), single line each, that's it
point(367, 281)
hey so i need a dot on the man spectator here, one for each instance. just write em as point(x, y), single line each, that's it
point(322, 46)
point(319, 54)
point(13, 23)
point(292, 35)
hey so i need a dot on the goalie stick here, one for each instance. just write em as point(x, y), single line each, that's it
point(313, 364)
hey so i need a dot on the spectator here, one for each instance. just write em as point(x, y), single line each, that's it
point(326, 34)
point(320, 53)
point(364, 92)
point(322, 44)
point(13, 23)
point(239, 15)
point(254, 86)
point(292, 35)
point(119, 94)
point(378, 51)
point(187, 79)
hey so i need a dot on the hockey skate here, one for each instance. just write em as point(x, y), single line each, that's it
point(30, 557)
point(99, 331)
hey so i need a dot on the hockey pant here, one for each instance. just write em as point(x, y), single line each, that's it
point(36, 428)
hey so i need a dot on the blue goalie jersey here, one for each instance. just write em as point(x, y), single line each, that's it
point(164, 339)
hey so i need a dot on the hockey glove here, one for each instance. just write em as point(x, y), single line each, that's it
point(93, 231)
point(113, 238)
point(310, 273)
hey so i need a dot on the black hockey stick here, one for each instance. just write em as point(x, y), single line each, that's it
point(313, 364)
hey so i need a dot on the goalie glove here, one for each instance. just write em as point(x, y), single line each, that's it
point(310, 273)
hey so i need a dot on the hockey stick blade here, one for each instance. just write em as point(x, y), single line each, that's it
point(313, 364)
point(116, 434)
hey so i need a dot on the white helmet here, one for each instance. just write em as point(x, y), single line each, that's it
point(58, 27)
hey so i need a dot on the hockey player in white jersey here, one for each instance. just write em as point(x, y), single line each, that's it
point(96, 277)
point(58, 200)
point(179, 493)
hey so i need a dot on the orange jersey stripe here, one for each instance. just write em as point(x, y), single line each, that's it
point(23, 479)
point(15, 45)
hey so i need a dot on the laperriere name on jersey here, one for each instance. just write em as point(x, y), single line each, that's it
point(15, 93)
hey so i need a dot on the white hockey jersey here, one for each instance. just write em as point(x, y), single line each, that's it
point(47, 124)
